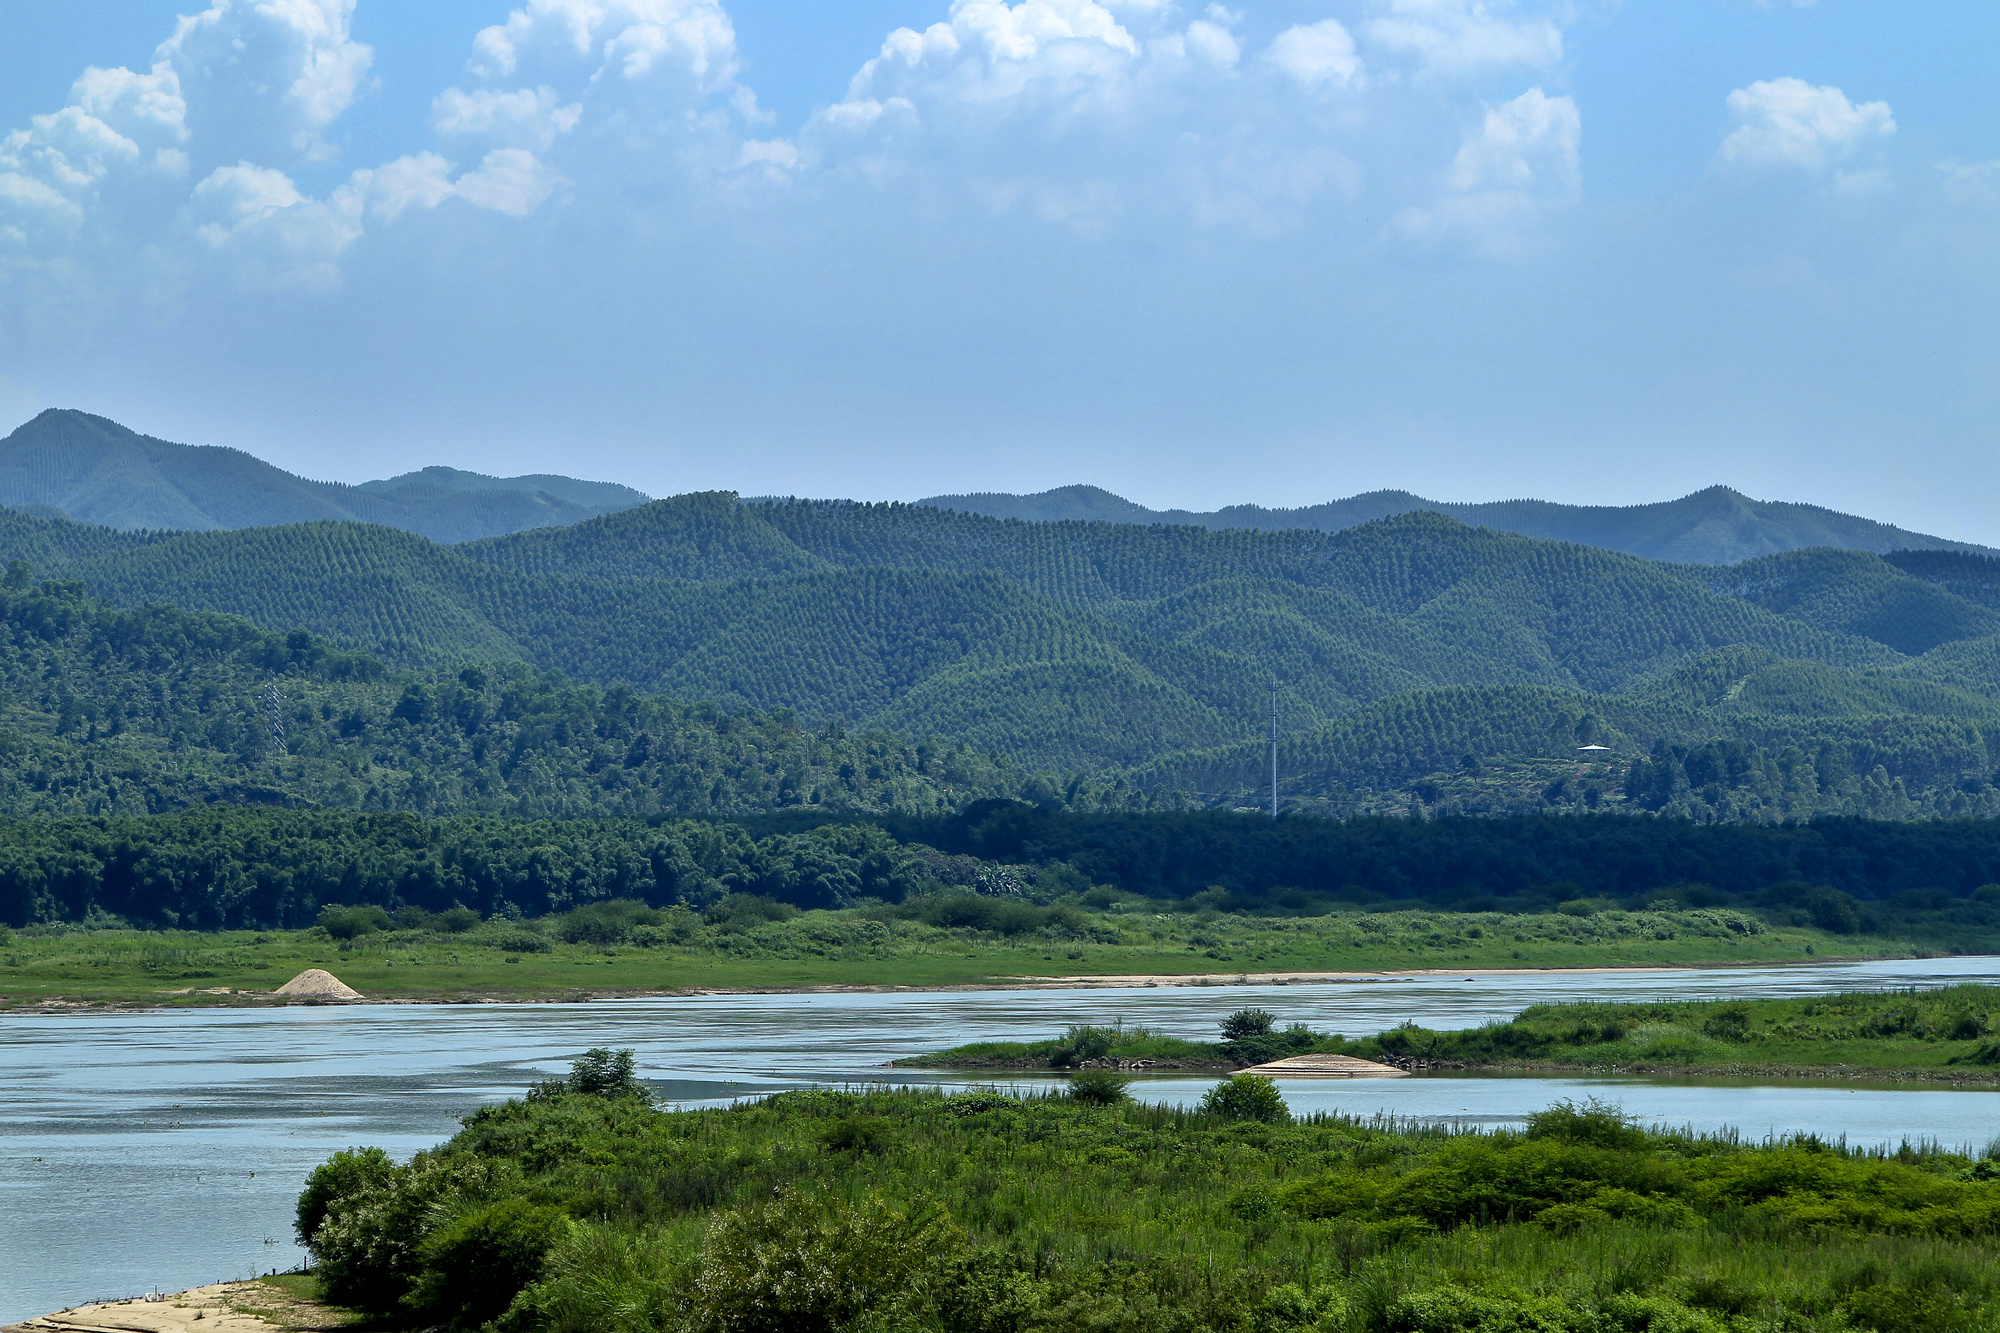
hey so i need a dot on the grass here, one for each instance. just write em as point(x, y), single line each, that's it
point(294, 1302)
point(982, 1213)
point(1952, 1033)
point(871, 947)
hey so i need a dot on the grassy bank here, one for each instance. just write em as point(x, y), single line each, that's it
point(751, 943)
point(585, 1209)
point(1951, 1033)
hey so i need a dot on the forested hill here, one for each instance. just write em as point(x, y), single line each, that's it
point(106, 712)
point(88, 468)
point(1717, 526)
point(1422, 663)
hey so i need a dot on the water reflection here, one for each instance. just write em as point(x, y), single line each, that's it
point(167, 1148)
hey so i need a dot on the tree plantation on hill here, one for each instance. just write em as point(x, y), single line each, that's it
point(1424, 666)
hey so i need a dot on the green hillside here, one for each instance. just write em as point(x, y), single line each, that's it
point(109, 712)
point(95, 470)
point(1717, 526)
point(1422, 664)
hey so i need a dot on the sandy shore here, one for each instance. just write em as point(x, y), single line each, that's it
point(225, 1307)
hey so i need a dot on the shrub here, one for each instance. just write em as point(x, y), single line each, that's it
point(345, 1175)
point(347, 923)
point(748, 909)
point(367, 1249)
point(1098, 1087)
point(606, 922)
point(1247, 1023)
point(603, 1072)
point(520, 941)
point(803, 1265)
point(1084, 1041)
point(476, 1265)
point(861, 1134)
point(1595, 1124)
point(457, 920)
point(1247, 1097)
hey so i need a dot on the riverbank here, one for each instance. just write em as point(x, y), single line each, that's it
point(286, 1304)
point(520, 962)
point(1950, 1035)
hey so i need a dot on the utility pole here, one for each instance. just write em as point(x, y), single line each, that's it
point(274, 713)
point(1274, 747)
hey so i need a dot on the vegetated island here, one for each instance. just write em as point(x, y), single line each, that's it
point(587, 1208)
point(1950, 1034)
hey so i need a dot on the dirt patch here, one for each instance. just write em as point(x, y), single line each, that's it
point(225, 1307)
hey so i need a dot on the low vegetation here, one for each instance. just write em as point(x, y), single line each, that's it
point(1950, 1033)
point(755, 942)
point(584, 1208)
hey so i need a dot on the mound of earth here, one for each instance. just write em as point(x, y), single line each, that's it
point(317, 984)
point(1323, 1066)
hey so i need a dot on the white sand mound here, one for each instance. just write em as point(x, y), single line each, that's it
point(1323, 1066)
point(317, 984)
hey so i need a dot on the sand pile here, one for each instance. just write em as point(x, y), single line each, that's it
point(1323, 1066)
point(317, 984)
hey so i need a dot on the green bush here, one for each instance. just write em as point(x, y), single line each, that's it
point(345, 1175)
point(1247, 1097)
point(1085, 1041)
point(1098, 1087)
point(347, 923)
point(806, 1264)
point(606, 922)
point(1247, 1023)
point(1595, 1124)
point(457, 920)
point(474, 1266)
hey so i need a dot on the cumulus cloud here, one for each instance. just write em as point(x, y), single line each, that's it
point(1517, 165)
point(267, 76)
point(529, 117)
point(1316, 55)
point(1457, 37)
point(1791, 123)
point(631, 38)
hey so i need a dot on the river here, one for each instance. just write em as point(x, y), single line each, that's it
point(165, 1149)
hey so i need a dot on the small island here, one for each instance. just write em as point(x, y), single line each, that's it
point(1951, 1034)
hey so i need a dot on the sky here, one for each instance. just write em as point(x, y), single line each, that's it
point(1198, 254)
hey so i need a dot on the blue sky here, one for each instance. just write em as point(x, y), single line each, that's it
point(1196, 253)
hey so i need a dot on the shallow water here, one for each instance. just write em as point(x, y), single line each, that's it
point(166, 1149)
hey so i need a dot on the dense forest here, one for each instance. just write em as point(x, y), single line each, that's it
point(112, 712)
point(224, 866)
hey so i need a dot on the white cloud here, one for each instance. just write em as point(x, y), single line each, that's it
point(1520, 163)
point(510, 180)
point(525, 116)
point(262, 77)
point(1789, 122)
point(632, 38)
point(1457, 37)
point(1316, 55)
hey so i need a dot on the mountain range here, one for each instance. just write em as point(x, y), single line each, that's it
point(1423, 659)
point(1717, 526)
point(87, 468)
point(1420, 661)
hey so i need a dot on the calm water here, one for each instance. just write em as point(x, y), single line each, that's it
point(166, 1149)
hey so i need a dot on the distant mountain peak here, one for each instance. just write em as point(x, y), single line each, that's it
point(94, 470)
point(1717, 525)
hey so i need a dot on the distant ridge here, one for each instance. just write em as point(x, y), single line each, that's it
point(96, 471)
point(1717, 526)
